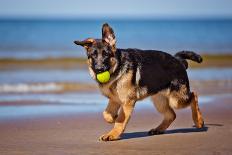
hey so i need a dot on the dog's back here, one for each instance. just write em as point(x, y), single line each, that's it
point(153, 69)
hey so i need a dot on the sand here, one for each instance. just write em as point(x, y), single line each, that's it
point(78, 134)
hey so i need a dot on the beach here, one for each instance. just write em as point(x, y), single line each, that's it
point(78, 133)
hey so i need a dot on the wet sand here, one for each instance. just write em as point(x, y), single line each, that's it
point(78, 134)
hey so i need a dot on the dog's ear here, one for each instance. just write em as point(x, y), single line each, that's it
point(85, 43)
point(108, 35)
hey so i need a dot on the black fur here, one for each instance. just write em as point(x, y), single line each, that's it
point(158, 70)
point(188, 55)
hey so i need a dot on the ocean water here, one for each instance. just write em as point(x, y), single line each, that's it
point(54, 38)
point(66, 104)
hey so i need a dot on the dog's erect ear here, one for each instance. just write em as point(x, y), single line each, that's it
point(85, 43)
point(108, 35)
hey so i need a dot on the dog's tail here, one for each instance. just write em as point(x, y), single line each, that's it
point(183, 55)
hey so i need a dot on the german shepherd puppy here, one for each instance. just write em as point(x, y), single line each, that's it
point(136, 74)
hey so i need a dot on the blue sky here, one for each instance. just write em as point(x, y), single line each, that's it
point(116, 8)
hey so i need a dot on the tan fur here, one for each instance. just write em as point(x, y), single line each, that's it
point(91, 72)
point(121, 122)
point(125, 94)
point(176, 99)
point(165, 101)
point(196, 113)
point(111, 111)
point(113, 64)
point(161, 103)
point(179, 99)
point(125, 89)
point(141, 93)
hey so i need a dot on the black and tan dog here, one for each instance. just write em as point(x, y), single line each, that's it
point(136, 74)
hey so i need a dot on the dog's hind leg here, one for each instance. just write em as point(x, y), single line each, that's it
point(111, 111)
point(183, 100)
point(162, 105)
point(196, 113)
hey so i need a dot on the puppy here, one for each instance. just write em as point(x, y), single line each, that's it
point(136, 74)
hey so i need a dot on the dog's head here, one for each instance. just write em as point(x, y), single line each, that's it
point(101, 52)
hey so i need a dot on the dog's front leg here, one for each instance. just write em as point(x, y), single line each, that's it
point(111, 111)
point(120, 122)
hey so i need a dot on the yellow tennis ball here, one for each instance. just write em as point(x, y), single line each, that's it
point(103, 77)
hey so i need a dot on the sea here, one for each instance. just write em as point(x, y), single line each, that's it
point(21, 38)
point(28, 93)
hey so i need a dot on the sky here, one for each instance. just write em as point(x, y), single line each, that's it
point(116, 9)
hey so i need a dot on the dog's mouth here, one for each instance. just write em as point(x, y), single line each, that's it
point(101, 70)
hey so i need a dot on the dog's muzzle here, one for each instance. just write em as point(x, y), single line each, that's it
point(100, 69)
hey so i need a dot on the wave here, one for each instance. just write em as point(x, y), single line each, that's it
point(67, 87)
point(25, 88)
point(50, 87)
point(65, 98)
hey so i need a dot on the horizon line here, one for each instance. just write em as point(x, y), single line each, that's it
point(115, 18)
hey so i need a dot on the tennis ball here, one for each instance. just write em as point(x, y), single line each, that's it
point(103, 77)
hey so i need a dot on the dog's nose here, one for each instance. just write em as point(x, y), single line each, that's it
point(99, 69)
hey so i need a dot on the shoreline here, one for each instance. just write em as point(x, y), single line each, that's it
point(209, 61)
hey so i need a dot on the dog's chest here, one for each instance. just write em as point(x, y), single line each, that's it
point(108, 90)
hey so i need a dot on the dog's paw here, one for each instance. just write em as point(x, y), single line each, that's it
point(109, 137)
point(108, 117)
point(200, 123)
point(155, 132)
